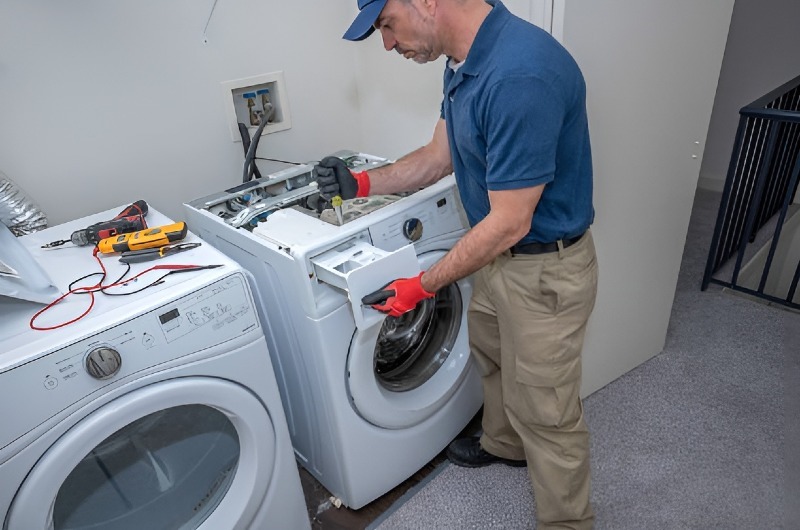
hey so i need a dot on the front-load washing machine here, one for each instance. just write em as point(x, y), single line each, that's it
point(369, 399)
point(157, 409)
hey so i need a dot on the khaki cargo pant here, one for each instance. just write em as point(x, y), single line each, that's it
point(527, 320)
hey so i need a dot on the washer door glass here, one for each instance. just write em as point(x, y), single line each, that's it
point(413, 346)
point(402, 370)
point(169, 469)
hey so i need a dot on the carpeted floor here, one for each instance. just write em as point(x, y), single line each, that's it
point(695, 438)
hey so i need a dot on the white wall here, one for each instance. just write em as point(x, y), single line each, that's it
point(651, 69)
point(103, 103)
point(761, 55)
point(399, 99)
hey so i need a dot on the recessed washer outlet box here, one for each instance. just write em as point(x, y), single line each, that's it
point(249, 100)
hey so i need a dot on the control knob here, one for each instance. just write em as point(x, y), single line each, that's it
point(412, 229)
point(103, 362)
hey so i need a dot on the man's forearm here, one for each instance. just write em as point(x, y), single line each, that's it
point(417, 169)
point(478, 247)
point(508, 221)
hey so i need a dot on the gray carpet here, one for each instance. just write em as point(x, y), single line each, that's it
point(695, 438)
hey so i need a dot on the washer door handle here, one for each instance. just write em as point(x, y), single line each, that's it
point(377, 297)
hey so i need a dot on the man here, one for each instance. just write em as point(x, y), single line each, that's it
point(514, 130)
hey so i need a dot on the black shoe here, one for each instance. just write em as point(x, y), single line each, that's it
point(467, 452)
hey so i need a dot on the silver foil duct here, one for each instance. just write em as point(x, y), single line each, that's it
point(17, 211)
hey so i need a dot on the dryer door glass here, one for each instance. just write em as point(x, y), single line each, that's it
point(413, 346)
point(167, 470)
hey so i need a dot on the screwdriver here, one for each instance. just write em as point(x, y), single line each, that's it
point(336, 202)
point(148, 254)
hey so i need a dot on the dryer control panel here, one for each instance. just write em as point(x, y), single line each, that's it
point(188, 327)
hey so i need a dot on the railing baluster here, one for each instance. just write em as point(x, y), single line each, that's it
point(778, 229)
point(762, 181)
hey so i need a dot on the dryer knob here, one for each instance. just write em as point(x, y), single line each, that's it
point(412, 229)
point(103, 362)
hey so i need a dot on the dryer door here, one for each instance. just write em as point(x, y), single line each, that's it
point(402, 370)
point(183, 454)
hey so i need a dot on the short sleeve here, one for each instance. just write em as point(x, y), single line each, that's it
point(522, 119)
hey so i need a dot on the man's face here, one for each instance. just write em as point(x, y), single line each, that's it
point(407, 28)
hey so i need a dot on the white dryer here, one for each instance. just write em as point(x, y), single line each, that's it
point(156, 410)
point(370, 399)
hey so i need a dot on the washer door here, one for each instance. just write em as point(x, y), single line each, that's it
point(402, 370)
point(183, 454)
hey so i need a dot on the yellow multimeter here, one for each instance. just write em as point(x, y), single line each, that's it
point(148, 238)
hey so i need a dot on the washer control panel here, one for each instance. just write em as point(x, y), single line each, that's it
point(195, 322)
point(434, 217)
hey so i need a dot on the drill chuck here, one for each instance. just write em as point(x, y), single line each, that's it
point(80, 237)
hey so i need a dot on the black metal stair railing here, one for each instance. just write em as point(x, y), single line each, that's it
point(762, 182)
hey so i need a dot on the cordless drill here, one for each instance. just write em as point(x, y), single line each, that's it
point(131, 219)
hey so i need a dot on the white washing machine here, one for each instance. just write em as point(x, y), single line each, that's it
point(369, 399)
point(157, 410)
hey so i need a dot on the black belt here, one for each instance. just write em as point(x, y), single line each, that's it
point(543, 248)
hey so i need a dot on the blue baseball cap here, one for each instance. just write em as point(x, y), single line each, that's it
point(363, 26)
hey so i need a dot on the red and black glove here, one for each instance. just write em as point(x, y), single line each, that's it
point(335, 178)
point(398, 297)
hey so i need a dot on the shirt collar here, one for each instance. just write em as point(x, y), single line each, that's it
point(486, 37)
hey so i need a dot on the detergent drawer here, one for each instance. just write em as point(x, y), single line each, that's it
point(360, 268)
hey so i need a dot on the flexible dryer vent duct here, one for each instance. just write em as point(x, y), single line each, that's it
point(17, 211)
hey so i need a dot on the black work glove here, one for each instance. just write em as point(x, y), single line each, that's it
point(334, 178)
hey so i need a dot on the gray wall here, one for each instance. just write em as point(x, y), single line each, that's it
point(763, 52)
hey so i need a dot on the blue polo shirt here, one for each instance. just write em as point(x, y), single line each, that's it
point(516, 117)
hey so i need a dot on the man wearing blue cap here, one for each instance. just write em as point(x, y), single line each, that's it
point(514, 130)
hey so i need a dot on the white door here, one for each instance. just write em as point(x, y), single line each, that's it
point(547, 14)
point(182, 454)
point(651, 70)
point(403, 370)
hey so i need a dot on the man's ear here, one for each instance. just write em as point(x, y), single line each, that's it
point(430, 6)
